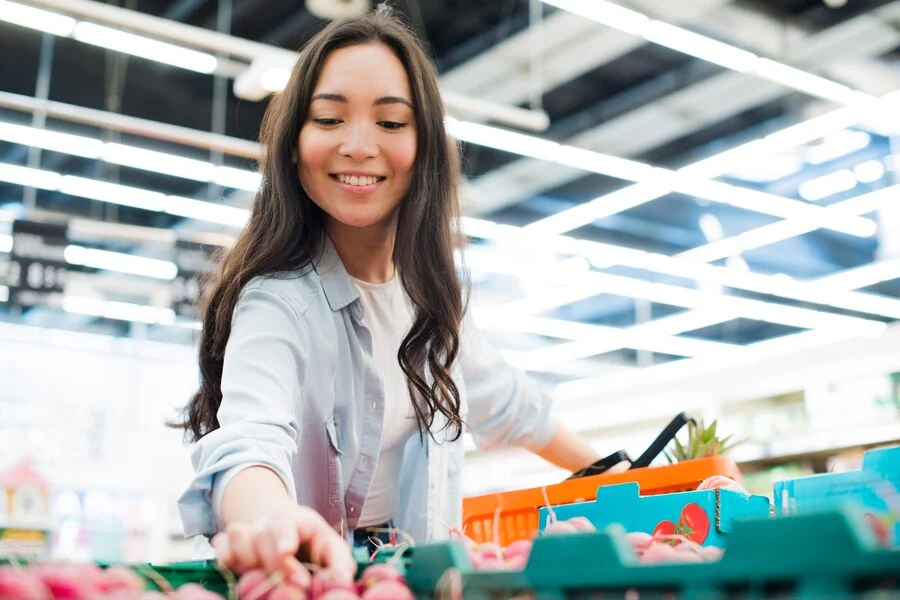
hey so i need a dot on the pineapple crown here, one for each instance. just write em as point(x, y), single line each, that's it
point(702, 442)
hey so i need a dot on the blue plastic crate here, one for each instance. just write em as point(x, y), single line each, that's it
point(709, 512)
point(874, 488)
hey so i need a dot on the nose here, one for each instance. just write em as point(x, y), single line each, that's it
point(359, 143)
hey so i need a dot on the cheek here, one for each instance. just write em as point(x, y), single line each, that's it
point(404, 157)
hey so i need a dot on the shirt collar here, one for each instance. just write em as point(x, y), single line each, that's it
point(338, 287)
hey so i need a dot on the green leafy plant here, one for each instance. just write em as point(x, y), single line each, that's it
point(702, 441)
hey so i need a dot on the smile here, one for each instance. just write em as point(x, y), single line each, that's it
point(357, 180)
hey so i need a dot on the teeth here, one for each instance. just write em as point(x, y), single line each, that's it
point(357, 180)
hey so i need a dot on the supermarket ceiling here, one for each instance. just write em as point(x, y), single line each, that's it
point(649, 184)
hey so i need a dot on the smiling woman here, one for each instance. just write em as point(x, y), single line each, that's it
point(336, 328)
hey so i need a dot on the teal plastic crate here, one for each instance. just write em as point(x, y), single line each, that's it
point(829, 554)
point(874, 488)
point(706, 516)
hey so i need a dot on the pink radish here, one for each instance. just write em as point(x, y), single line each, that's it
point(658, 553)
point(22, 584)
point(711, 553)
point(489, 564)
point(639, 540)
point(287, 592)
point(559, 527)
point(388, 590)
point(721, 482)
point(152, 595)
point(517, 563)
point(326, 580)
point(581, 524)
point(518, 548)
point(490, 550)
point(249, 582)
point(336, 594)
point(375, 574)
point(120, 579)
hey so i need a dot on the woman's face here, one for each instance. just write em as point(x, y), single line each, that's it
point(358, 142)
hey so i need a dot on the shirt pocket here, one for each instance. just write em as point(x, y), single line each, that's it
point(335, 483)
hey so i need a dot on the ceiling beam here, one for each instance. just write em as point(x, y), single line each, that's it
point(713, 100)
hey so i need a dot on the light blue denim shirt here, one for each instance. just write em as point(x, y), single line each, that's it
point(301, 396)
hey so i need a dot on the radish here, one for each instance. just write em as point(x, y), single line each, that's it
point(711, 553)
point(658, 553)
point(22, 585)
point(721, 482)
point(287, 592)
point(518, 548)
point(326, 580)
point(581, 524)
point(375, 574)
point(560, 527)
point(388, 590)
point(118, 578)
point(490, 550)
point(249, 582)
point(639, 540)
point(337, 594)
point(517, 563)
point(152, 595)
point(64, 583)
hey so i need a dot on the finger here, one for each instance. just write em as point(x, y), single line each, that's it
point(329, 549)
point(242, 549)
point(223, 549)
point(296, 573)
point(267, 549)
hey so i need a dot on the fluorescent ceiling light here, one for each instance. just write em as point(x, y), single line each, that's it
point(143, 47)
point(4, 293)
point(55, 141)
point(836, 145)
point(112, 192)
point(827, 185)
point(130, 156)
point(239, 179)
point(206, 211)
point(5, 243)
point(274, 79)
point(26, 176)
point(804, 81)
point(700, 46)
point(122, 311)
point(35, 18)
point(606, 13)
point(860, 277)
point(869, 171)
point(162, 162)
point(121, 263)
point(768, 170)
point(783, 230)
point(124, 195)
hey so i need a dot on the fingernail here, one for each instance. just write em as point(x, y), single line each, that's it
point(284, 545)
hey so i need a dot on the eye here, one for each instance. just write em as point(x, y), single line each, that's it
point(327, 122)
point(392, 125)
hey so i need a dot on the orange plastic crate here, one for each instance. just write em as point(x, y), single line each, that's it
point(519, 508)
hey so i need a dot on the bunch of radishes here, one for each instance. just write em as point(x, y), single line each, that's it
point(87, 582)
point(656, 549)
point(378, 581)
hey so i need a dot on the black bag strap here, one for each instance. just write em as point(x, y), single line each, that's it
point(662, 440)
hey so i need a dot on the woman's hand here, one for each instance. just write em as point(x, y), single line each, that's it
point(283, 541)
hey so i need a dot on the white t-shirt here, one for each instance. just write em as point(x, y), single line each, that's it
point(388, 314)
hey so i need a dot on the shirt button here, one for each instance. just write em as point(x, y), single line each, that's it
point(374, 405)
point(365, 463)
point(352, 510)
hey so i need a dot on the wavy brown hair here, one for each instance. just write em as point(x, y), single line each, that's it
point(285, 230)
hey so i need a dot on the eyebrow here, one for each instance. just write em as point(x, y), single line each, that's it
point(378, 102)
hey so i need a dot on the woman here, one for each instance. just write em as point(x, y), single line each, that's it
point(339, 364)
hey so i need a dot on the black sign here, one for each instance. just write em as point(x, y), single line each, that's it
point(194, 262)
point(38, 268)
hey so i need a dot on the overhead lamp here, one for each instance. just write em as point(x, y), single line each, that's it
point(822, 187)
point(836, 145)
point(700, 46)
point(606, 13)
point(36, 18)
point(869, 171)
point(122, 263)
point(144, 47)
point(6, 242)
point(122, 311)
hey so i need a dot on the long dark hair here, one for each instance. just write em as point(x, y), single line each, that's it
point(285, 230)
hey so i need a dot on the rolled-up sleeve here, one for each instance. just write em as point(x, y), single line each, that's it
point(258, 417)
point(506, 407)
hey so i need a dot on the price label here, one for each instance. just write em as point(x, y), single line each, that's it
point(38, 269)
